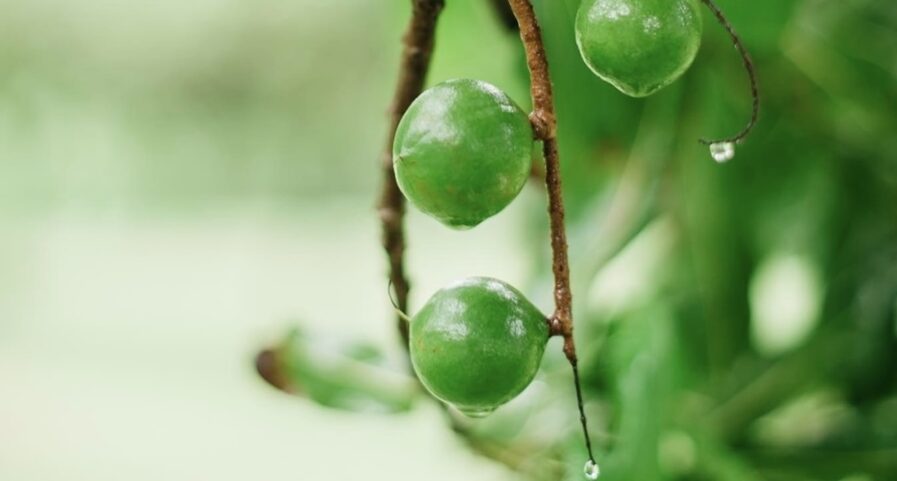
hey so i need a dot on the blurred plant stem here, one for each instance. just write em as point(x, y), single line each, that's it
point(778, 383)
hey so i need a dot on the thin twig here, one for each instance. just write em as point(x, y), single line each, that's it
point(544, 123)
point(415, 63)
point(751, 73)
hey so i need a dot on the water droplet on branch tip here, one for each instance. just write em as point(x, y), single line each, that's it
point(722, 151)
point(591, 470)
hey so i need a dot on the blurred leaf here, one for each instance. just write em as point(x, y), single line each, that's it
point(643, 351)
point(346, 376)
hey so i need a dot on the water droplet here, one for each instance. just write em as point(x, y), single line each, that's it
point(722, 151)
point(591, 470)
point(476, 413)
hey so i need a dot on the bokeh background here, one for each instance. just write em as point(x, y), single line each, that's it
point(183, 184)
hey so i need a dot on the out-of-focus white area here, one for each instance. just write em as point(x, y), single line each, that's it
point(786, 298)
point(127, 344)
point(626, 280)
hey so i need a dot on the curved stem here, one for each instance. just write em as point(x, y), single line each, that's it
point(544, 123)
point(415, 63)
point(751, 73)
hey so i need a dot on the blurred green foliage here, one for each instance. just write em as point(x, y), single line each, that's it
point(737, 321)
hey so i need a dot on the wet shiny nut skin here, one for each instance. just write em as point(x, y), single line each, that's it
point(477, 344)
point(639, 46)
point(462, 152)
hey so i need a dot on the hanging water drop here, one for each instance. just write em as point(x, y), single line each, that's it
point(722, 151)
point(591, 470)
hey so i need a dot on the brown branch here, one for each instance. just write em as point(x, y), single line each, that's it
point(545, 128)
point(415, 63)
point(544, 123)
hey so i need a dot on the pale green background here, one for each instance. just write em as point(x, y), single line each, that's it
point(179, 181)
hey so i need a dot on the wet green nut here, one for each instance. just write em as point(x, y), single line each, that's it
point(477, 344)
point(639, 46)
point(462, 152)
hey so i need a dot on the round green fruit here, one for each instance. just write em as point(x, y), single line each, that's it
point(639, 46)
point(462, 152)
point(477, 344)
